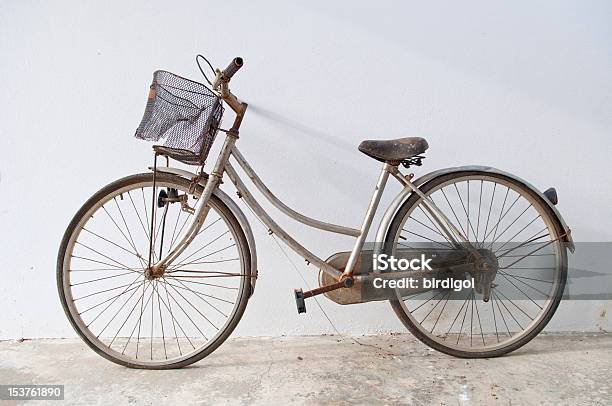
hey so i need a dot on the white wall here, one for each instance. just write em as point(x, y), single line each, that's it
point(524, 86)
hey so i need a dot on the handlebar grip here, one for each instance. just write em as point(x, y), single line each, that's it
point(232, 68)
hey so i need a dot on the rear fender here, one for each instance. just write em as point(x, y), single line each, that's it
point(387, 218)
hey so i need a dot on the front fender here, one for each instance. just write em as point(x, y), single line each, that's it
point(242, 220)
point(387, 218)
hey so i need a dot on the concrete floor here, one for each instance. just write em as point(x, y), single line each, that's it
point(387, 369)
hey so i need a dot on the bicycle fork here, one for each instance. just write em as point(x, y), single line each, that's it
point(202, 207)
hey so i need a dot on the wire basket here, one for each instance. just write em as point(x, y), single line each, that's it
point(185, 114)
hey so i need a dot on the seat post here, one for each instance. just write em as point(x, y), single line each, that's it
point(367, 221)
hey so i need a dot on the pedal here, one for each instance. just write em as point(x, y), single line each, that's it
point(299, 301)
point(300, 295)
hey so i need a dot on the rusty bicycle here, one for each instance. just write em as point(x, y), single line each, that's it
point(156, 269)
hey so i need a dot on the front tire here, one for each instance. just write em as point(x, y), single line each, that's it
point(163, 323)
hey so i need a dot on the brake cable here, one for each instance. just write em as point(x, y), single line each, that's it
point(198, 56)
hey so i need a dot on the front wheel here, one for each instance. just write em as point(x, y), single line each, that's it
point(510, 224)
point(123, 312)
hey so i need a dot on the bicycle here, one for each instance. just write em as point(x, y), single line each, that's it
point(143, 296)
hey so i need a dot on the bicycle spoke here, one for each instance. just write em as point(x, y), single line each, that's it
point(100, 279)
point(515, 305)
point(126, 319)
point(103, 291)
point(479, 206)
point(526, 243)
point(525, 277)
point(508, 227)
point(185, 287)
point(457, 316)
point(175, 322)
point(427, 301)
point(463, 321)
point(520, 231)
point(496, 227)
point(480, 324)
point(138, 323)
point(110, 242)
point(200, 283)
point(434, 224)
point(152, 320)
point(510, 313)
point(161, 322)
point(179, 232)
point(471, 319)
point(194, 262)
point(106, 256)
point(127, 229)
point(180, 213)
point(202, 296)
point(111, 298)
point(144, 204)
point(119, 228)
point(468, 226)
point(441, 311)
point(138, 215)
point(524, 283)
point(527, 255)
point(208, 226)
point(434, 307)
point(495, 298)
point(453, 211)
point(426, 226)
point(428, 239)
point(206, 245)
point(183, 310)
point(494, 318)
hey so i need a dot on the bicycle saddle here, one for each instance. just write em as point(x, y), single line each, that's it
point(393, 150)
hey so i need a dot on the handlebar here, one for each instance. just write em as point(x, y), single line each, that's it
point(221, 86)
point(232, 68)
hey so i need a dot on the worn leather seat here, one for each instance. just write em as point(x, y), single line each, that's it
point(394, 150)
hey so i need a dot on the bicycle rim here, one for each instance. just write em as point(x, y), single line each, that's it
point(498, 214)
point(159, 323)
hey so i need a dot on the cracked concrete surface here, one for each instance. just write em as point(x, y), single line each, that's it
point(388, 369)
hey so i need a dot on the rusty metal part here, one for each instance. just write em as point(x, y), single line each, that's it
point(200, 178)
point(185, 205)
point(457, 266)
point(152, 273)
point(346, 283)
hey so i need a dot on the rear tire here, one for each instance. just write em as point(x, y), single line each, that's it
point(549, 304)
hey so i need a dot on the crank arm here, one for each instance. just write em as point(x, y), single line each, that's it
point(301, 295)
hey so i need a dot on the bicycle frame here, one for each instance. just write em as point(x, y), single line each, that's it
point(283, 235)
point(223, 165)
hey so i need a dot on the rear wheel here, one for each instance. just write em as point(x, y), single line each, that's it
point(131, 317)
point(510, 222)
